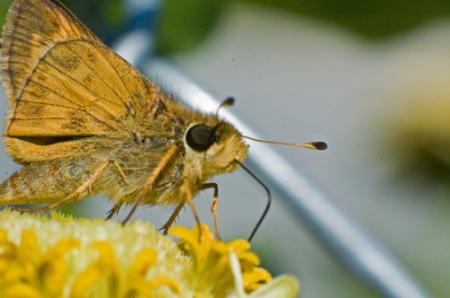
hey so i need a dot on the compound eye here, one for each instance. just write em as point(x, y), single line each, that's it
point(200, 137)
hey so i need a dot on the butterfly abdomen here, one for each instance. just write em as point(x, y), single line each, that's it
point(43, 182)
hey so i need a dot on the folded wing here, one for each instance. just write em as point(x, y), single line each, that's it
point(62, 81)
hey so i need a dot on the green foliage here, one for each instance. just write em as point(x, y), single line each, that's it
point(185, 23)
point(370, 18)
point(4, 7)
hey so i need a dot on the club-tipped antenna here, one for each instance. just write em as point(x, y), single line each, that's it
point(269, 200)
point(229, 101)
point(310, 145)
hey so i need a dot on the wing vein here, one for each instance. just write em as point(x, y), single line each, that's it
point(16, 37)
point(32, 119)
point(49, 89)
point(85, 110)
point(115, 70)
point(59, 21)
point(52, 104)
point(101, 77)
point(85, 87)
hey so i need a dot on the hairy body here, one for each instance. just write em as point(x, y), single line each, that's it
point(83, 121)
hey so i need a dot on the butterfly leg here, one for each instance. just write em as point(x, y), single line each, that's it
point(125, 179)
point(86, 185)
point(189, 198)
point(151, 179)
point(116, 207)
point(115, 210)
point(180, 206)
point(214, 205)
point(172, 218)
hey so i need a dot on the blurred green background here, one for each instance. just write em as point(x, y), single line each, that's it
point(184, 24)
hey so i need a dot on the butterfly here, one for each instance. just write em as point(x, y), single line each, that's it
point(83, 121)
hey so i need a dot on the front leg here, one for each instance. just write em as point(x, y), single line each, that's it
point(189, 200)
point(214, 204)
point(148, 185)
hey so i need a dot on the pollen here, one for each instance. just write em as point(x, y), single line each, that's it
point(59, 256)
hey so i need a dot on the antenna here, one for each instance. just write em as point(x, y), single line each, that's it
point(310, 145)
point(229, 101)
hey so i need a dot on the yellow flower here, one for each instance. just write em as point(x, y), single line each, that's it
point(283, 286)
point(221, 267)
point(59, 257)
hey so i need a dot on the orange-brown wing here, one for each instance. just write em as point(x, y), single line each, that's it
point(62, 81)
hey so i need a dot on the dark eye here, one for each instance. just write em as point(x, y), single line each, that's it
point(200, 137)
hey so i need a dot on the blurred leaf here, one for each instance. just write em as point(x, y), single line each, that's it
point(76, 209)
point(115, 13)
point(186, 23)
point(4, 7)
point(370, 18)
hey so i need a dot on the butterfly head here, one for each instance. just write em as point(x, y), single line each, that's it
point(213, 149)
